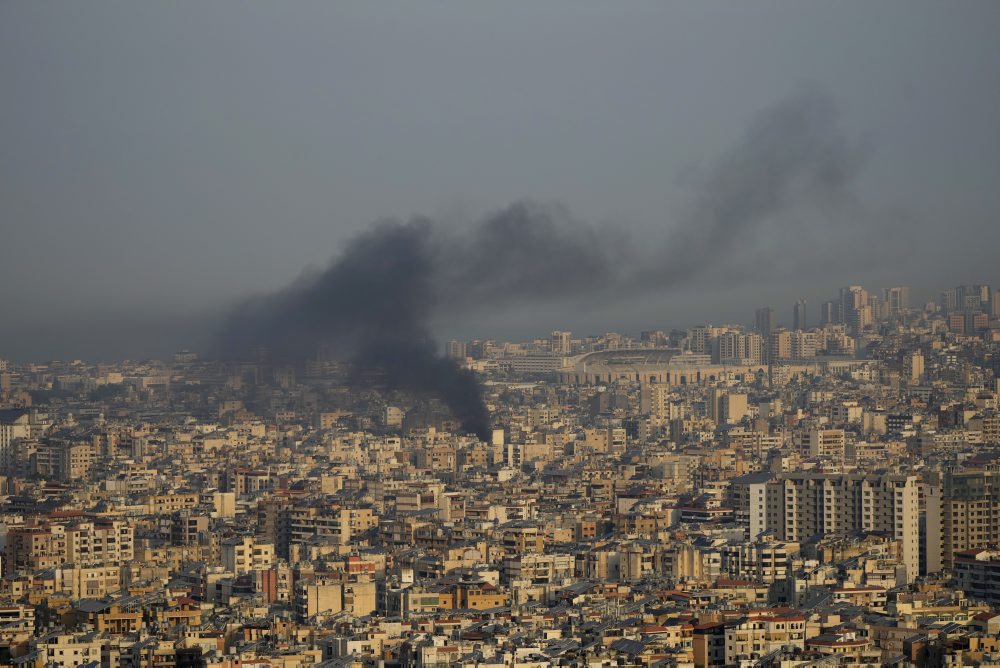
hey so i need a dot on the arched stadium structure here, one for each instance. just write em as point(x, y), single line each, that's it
point(667, 366)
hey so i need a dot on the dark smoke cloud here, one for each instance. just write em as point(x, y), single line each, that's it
point(793, 156)
point(374, 303)
point(528, 250)
point(370, 307)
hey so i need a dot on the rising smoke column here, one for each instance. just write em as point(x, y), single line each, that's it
point(793, 155)
point(376, 300)
point(371, 306)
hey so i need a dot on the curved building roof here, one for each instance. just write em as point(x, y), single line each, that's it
point(631, 357)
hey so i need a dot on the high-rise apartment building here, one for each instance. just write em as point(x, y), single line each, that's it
point(977, 574)
point(956, 322)
point(856, 309)
point(830, 313)
point(800, 506)
point(13, 425)
point(726, 407)
point(985, 293)
point(897, 299)
point(699, 340)
point(293, 525)
point(878, 309)
point(779, 347)
point(764, 324)
point(800, 315)
point(748, 499)
point(34, 546)
point(972, 296)
point(913, 365)
point(948, 300)
point(803, 345)
point(64, 459)
point(764, 321)
point(795, 345)
point(736, 348)
point(456, 350)
point(827, 443)
point(656, 400)
point(965, 298)
point(970, 510)
point(244, 554)
point(976, 321)
point(853, 297)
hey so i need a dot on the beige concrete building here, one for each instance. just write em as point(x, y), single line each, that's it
point(970, 511)
point(245, 554)
point(13, 426)
point(803, 505)
point(761, 633)
point(319, 597)
point(827, 443)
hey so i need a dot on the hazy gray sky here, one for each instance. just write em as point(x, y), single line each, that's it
point(160, 160)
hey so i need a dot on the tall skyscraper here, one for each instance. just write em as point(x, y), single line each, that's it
point(898, 299)
point(856, 308)
point(948, 300)
point(764, 321)
point(829, 313)
point(764, 324)
point(966, 297)
point(800, 315)
point(985, 296)
point(853, 296)
point(876, 308)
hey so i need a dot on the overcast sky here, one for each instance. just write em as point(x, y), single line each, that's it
point(161, 160)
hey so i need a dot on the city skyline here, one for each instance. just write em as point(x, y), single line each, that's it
point(783, 318)
point(747, 493)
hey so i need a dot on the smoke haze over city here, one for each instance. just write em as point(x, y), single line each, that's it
point(375, 303)
point(446, 334)
point(652, 165)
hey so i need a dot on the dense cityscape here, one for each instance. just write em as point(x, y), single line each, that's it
point(450, 334)
point(824, 493)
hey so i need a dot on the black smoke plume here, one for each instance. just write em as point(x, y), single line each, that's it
point(792, 162)
point(374, 303)
point(372, 306)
